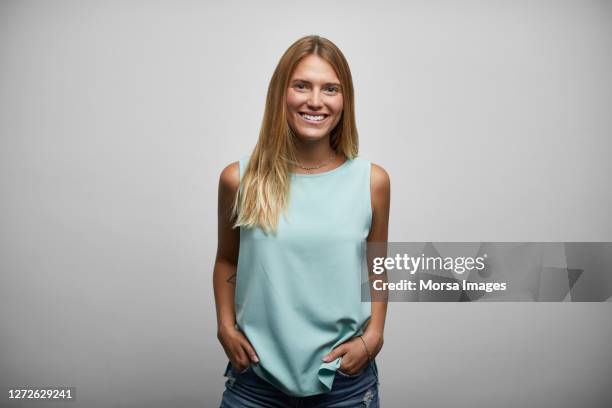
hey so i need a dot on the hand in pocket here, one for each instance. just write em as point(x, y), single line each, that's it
point(237, 348)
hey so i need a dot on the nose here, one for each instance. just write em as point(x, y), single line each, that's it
point(314, 101)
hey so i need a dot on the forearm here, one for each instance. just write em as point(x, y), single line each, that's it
point(377, 321)
point(224, 278)
point(378, 298)
point(374, 332)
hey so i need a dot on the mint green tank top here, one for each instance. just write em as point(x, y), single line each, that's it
point(298, 293)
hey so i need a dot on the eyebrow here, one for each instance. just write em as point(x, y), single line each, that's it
point(308, 82)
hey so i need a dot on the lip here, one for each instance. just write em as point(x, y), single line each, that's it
point(314, 122)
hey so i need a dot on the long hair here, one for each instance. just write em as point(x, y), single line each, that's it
point(264, 188)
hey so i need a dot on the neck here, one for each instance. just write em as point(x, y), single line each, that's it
point(313, 153)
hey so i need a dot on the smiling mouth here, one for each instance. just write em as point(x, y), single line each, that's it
point(313, 118)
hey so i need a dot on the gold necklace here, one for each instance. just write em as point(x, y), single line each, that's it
point(313, 167)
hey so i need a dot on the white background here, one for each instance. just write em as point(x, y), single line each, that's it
point(116, 118)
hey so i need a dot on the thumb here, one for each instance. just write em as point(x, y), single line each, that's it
point(335, 353)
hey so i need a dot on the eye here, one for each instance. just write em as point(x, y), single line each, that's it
point(332, 89)
point(299, 86)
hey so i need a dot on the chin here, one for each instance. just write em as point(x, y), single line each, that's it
point(310, 136)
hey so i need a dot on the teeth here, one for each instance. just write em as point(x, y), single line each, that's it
point(310, 117)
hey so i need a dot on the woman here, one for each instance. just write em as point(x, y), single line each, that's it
point(293, 220)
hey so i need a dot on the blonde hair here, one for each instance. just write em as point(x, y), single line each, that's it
point(264, 188)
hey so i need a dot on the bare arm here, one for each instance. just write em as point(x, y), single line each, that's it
point(228, 241)
point(236, 346)
point(380, 186)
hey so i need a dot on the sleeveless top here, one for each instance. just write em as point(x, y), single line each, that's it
point(299, 293)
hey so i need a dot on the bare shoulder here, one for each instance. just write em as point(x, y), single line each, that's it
point(380, 182)
point(229, 179)
point(380, 196)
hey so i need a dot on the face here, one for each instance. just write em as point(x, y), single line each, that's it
point(314, 99)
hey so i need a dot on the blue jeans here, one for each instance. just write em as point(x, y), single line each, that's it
point(247, 390)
